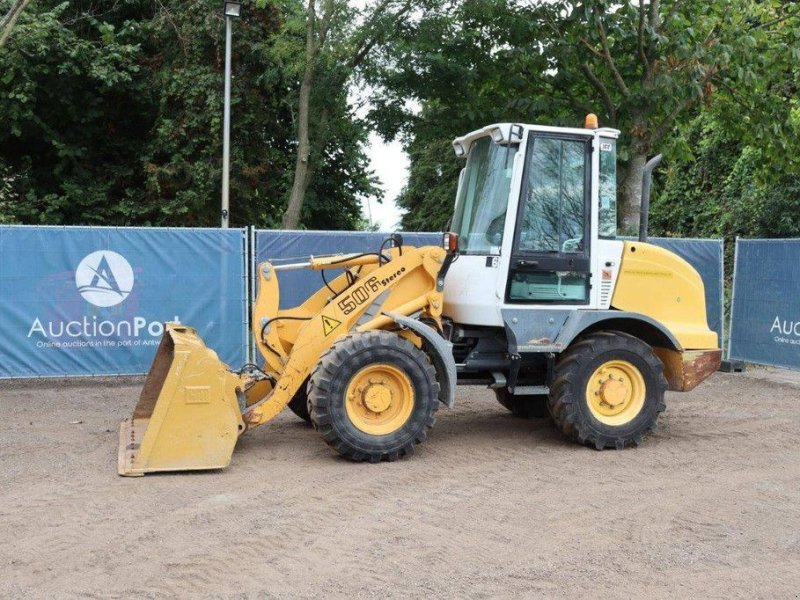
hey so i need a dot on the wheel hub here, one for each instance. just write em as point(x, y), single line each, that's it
point(615, 392)
point(377, 397)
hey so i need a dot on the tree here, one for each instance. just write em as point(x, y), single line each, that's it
point(733, 169)
point(648, 65)
point(112, 115)
point(645, 67)
point(63, 94)
point(447, 73)
point(316, 35)
point(331, 60)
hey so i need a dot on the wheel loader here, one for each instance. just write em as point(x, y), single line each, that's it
point(531, 294)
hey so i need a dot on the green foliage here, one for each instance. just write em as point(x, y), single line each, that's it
point(115, 117)
point(111, 113)
point(726, 189)
point(448, 62)
point(734, 170)
point(646, 68)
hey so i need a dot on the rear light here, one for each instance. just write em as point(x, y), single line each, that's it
point(450, 242)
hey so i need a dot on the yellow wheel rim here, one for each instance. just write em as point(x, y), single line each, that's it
point(616, 392)
point(379, 399)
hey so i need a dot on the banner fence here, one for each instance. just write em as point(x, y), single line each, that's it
point(93, 300)
point(765, 303)
point(78, 301)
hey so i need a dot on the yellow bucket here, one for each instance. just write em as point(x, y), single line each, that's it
point(188, 414)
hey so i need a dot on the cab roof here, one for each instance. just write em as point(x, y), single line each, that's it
point(512, 133)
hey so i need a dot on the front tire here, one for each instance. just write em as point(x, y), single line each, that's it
point(608, 390)
point(373, 396)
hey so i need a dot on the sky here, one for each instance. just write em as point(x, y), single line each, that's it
point(390, 163)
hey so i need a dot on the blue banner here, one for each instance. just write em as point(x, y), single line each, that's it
point(296, 246)
point(93, 300)
point(765, 309)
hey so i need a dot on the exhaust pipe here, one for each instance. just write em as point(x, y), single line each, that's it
point(644, 214)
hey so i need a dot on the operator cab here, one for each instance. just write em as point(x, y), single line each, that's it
point(535, 214)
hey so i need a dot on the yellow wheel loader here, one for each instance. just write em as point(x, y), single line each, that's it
point(531, 294)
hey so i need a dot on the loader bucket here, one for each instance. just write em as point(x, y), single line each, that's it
point(187, 416)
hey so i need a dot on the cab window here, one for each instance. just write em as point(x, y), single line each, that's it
point(480, 214)
point(553, 217)
point(608, 188)
point(550, 257)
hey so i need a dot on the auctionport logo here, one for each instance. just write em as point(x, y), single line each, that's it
point(104, 278)
point(788, 331)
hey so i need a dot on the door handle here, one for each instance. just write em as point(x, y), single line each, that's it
point(528, 263)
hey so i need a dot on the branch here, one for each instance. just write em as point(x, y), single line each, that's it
point(611, 65)
point(655, 7)
point(777, 20)
point(10, 20)
point(570, 101)
point(327, 16)
point(603, 91)
point(17, 6)
point(642, 54)
point(593, 79)
point(368, 43)
point(668, 121)
point(737, 97)
point(171, 20)
point(311, 18)
point(591, 48)
point(672, 11)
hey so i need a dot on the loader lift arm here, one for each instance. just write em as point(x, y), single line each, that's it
point(408, 280)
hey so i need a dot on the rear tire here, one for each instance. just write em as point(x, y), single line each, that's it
point(525, 406)
point(608, 390)
point(373, 396)
point(299, 403)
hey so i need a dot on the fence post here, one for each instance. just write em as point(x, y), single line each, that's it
point(733, 296)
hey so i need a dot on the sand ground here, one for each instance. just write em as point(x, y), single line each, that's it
point(489, 506)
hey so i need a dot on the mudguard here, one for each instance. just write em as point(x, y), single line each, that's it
point(441, 355)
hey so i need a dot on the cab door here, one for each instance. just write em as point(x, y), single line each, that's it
point(550, 257)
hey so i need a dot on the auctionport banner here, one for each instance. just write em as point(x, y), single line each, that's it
point(93, 300)
point(765, 311)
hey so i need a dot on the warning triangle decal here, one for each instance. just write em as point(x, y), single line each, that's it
point(329, 324)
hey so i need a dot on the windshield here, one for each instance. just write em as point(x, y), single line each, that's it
point(480, 213)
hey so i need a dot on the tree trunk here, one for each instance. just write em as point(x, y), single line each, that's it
point(291, 218)
point(317, 147)
point(631, 192)
point(10, 19)
point(316, 33)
